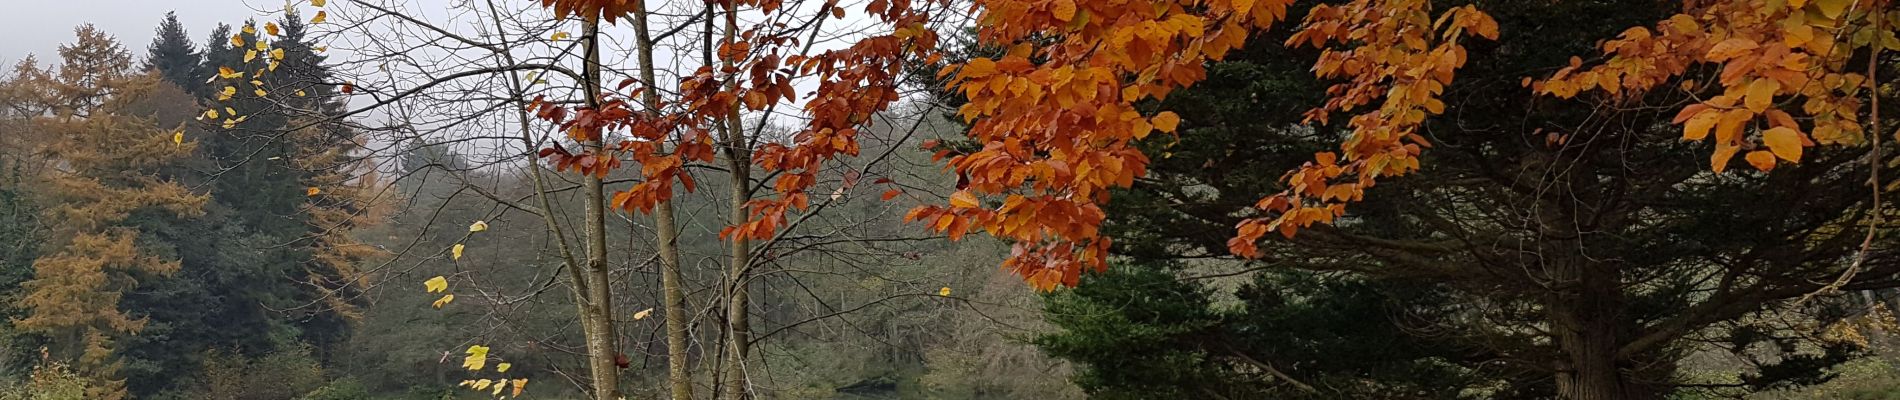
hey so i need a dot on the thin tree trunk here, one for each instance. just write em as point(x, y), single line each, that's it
point(678, 377)
point(597, 311)
point(738, 324)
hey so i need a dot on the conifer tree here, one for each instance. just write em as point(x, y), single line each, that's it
point(93, 256)
point(174, 56)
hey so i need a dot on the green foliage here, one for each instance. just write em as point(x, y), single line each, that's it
point(174, 56)
point(48, 381)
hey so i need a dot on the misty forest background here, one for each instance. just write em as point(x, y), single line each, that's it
point(283, 255)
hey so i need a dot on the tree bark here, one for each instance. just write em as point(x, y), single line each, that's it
point(597, 308)
point(679, 378)
point(738, 323)
point(1586, 311)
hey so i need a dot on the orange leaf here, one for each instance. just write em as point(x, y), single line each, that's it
point(1730, 48)
point(963, 199)
point(1761, 94)
point(1730, 127)
point(1688, 112)
point(1064, 10)
point(1785, 142)
point(1723, 152)
point(891, 194)
point(1698, 126)
point(1166, 121)
point(1762, 160)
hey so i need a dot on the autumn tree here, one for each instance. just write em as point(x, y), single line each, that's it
point(92, 258)
point(1578, 220)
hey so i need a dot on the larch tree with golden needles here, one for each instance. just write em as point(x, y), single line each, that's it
point(97, 178)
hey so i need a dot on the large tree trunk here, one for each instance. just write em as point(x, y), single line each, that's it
point(597, 308)
point(1587, 313)
point(667, 235)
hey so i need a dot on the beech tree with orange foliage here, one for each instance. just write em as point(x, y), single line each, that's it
point(1057, 122)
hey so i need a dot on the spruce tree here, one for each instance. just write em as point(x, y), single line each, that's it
point(174, 56)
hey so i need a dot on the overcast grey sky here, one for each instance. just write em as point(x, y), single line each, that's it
point(40, 26)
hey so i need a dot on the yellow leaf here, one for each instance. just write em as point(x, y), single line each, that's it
point(228, 110)
point(261, 46)
point(642, 314)
point(271, 28)
point(519, 384)
point(455, 253)
point(1832, 8)
point(300, 93)
point(1166, 121)
point(483, 384)
point(503, 367)
point(499, 384)
point(276, 54)
point(271, 67)
point(260, 92)
point(178, 137)
point(228, 73)
point(318, 3)
point(211, 113)
point(1761, 94)
point(945, 291)
point(250, 30)
point(963, 199)
point(1785, 142)
point(436, 284)
point(320, 17)
point(1762, 160)
point(478, 226)
point(237, 41)
point(477, 357)
point(227, 93)
point(250, 55)
point(443, 301)
point(558, 36)
point(312, 191)
point(229, 123)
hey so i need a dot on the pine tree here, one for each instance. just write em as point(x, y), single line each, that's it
point(174, 56)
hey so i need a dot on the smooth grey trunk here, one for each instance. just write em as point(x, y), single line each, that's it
point(738, 319)
point(679, 378)
point(597, 311)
